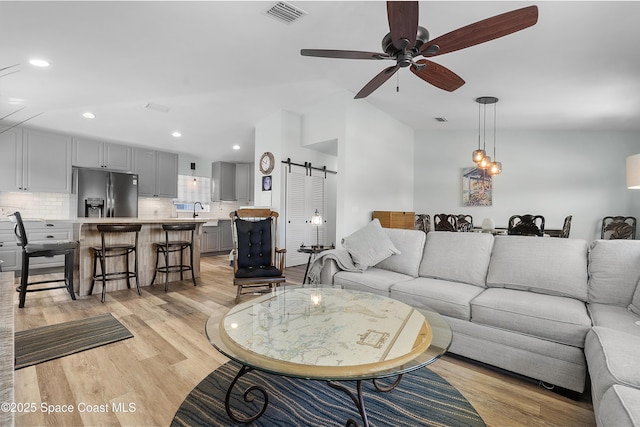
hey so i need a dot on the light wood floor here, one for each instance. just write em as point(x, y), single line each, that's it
point(151, 374)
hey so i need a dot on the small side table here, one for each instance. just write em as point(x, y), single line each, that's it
point(313, 251)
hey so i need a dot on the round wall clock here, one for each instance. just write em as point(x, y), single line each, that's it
point(267, 162)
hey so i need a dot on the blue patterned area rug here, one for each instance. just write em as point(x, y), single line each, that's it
point(423, 398)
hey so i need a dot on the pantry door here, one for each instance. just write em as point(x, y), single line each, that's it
point(304, 195)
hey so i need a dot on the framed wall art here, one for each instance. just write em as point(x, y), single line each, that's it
point(266, 183)
point(476, 187)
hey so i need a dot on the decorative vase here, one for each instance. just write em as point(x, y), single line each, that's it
point(488, 224)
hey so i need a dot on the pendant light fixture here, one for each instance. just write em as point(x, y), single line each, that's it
point(484, 161)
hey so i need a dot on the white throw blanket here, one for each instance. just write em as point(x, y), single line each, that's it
point(340, 256)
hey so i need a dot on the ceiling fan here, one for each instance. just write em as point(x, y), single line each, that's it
point(407, 40)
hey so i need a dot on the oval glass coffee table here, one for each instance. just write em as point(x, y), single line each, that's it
point(328, 334)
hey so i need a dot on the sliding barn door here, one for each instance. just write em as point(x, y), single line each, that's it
point(304, 194)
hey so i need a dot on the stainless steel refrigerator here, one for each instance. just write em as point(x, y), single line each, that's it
point(106, 194)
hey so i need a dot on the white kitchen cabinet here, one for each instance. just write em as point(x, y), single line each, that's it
point(157, 173)
point(33, 160)
point(95, 154)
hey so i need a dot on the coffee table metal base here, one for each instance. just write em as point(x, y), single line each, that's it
point(357, 398)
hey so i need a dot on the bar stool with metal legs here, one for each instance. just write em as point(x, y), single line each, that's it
point(169, 246)
point(112, 250)
point(43, 249)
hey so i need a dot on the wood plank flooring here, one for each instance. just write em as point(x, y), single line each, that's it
point(143, 381)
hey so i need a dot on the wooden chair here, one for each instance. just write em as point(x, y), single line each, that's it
point(165, 248)
point(423, 222)
point(526, 225)
point(465, 222)
point(618, 227)
point(445, 222)
point(258, 264)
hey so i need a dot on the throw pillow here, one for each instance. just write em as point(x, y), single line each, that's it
point(635, 303)
point(369, 245)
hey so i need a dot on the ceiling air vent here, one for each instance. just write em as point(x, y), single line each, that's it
point(285, 12)
point(441, 119)
point(157, 107)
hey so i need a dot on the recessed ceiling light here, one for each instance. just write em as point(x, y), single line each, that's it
point(176, 134)
point(88, 115)
point(236, 147)
point(39, 63)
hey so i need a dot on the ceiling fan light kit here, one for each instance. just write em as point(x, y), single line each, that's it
point(407, 40)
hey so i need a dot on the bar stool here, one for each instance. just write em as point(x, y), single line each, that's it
point(115, 250)
point(166, 247)
point(43, 249)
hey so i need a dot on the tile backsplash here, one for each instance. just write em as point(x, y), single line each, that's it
point(62, 206)
point(37, 205)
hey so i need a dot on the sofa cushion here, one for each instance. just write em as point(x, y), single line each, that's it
point(374, 280)
point(620, 407)
point(458, 257)
point(612, 357)
point(369, 245)
point(447, 298)
point(614, 317)
point(559, 319)
point(635, 302)
point(614, 270)
point(540, 264)
point(410, 243)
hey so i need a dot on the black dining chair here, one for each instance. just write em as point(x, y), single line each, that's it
point(445, 222)
point(43, 249)
point(526, 225)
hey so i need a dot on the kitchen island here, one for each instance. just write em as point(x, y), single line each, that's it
point(86, 233)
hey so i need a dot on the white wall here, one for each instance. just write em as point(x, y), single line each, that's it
point(544, 172)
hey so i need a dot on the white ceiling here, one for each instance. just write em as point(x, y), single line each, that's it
point(223, 66)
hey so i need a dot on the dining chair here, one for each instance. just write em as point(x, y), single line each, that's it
point(526, 225)
point(618, 227)
point(445, 222)
point(465, 222)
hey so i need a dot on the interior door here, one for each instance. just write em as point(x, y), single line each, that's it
point(304, 195)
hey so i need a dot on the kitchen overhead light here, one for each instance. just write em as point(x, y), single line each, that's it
point(236, 147)
point(176, 134)
point(88, 115)
point(39, 63)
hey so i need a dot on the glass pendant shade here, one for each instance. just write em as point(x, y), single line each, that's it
point(478, 155)
point(495, 168)
point(484, 163)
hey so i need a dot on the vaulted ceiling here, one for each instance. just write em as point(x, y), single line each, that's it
point(220, 67)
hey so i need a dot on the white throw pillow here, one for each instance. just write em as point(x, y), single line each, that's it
point(634, 307)
point(369, 245)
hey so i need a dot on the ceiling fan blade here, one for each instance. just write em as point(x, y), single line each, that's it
point(437, 75)
point(403, 23)
point(482, 31)
point(377, 81)
point(343, 54)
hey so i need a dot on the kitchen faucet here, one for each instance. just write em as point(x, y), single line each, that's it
point(194, 208)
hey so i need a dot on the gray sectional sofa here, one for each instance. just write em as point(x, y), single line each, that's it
point(547, 308)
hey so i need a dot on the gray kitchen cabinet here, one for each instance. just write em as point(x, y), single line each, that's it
point(11, 253)
point(95, 154)
point(226, 240)
point(34, 160)
point(157, 173)
point(210, 239)
point(223, 181)
point(244, 182)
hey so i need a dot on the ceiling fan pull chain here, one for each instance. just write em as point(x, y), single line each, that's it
point(397, 82)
